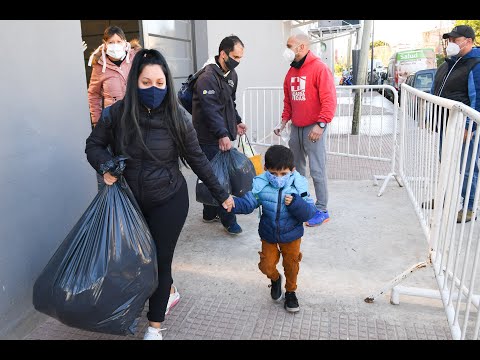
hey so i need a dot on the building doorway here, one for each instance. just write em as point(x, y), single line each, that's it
point(175, 39)
point(92, 34)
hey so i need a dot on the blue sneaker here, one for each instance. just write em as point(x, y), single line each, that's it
point(233, 229)
point(319, 218)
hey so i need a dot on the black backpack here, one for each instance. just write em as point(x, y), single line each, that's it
point(185, 94)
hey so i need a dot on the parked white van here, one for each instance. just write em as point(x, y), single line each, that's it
point(406, 62)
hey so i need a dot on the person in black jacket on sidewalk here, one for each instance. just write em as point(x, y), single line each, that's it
point(149, 128)
point(215, 116)
point(458, 79)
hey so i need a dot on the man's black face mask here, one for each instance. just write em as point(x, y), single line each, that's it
point(231, 63)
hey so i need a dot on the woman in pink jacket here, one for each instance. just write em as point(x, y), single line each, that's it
point(111, 63)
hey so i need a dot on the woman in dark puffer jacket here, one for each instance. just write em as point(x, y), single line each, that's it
point(150, 128)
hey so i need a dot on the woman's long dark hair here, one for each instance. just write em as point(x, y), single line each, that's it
point(169, 109)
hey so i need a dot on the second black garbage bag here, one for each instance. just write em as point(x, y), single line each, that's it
point(241, 171)
point(234, 171)
point(220, 168)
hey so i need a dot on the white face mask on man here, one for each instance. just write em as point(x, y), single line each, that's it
point(116, 51)
point(289, 55)
point(453, 49)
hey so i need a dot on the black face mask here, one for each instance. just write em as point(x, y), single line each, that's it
point(231, 63)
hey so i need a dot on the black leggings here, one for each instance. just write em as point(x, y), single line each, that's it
point(165, 222)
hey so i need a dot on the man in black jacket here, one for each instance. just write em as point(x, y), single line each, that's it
point(458, 78)
point(215, 116)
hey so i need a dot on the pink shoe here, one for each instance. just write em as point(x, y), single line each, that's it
point(173, 300)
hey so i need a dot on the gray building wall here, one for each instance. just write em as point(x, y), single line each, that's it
point(200, 43)
point(45, 182)
point(174, 39)
point(262, 63)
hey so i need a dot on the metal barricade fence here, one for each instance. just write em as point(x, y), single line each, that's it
point(435, 167)
point(364, 127)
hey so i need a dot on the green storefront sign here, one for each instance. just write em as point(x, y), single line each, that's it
point(415, 54)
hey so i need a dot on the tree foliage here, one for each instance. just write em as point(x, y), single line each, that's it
point(379, 43)
point(475, 24)
point(440, 59)
point(339, 68)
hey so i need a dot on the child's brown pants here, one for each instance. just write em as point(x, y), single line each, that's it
point(291, 257)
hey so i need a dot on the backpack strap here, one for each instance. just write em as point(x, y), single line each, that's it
point(106, 113)
point(192, 78)
point(197, 74)
point(218, 80)
point(105, 116)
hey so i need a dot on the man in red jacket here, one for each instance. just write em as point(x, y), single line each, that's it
point(310, 102)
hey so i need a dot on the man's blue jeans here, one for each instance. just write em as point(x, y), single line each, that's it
point(209, 212)
point(467, 170)
point(474, 176)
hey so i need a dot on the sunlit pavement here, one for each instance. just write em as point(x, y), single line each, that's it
point(368, 241)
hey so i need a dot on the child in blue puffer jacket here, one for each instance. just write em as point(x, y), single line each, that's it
point(285, 204)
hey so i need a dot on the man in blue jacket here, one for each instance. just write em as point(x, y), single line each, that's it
point(458, 78)
point(215, 117)
point(285, 204)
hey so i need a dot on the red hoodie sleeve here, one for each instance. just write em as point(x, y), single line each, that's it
point(287, 106)
point(327, 95)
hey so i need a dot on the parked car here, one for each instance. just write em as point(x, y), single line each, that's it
point(422, 79)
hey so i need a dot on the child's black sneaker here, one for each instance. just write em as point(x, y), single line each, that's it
point(276, 289)
point(214, 219)
point(291, 302)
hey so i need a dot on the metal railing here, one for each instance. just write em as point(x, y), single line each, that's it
point(433, 164)
point(364, 126)
point(436, 144)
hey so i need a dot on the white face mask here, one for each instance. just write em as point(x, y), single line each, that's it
point(116, 51)
point(452, 49)
point(289, 55)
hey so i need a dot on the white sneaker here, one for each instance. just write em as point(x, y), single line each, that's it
point(173, 300)
point(153, 334)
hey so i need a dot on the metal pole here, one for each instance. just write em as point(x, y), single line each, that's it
point(349, 51)
point(356, 57)
point(371, 62)
point(362, 72)
point(363, 58)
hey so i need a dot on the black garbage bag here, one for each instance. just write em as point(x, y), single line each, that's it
point(241, 171)
point(105, 269)
point(220, 168)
